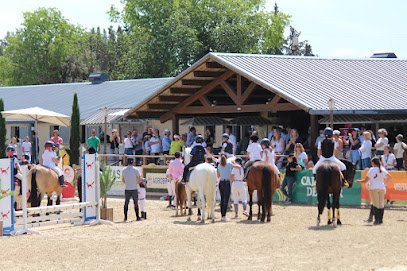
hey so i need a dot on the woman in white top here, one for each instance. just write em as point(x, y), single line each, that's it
point(388, 159)
point(128, 144)
point(268, 154)
point(399, 149)
point(278, 142)
point(254, 149)
point(27, 148)
point(301, 155)
point(377, 176)
point(238, 187)
point(366, 150)
point(382, 142)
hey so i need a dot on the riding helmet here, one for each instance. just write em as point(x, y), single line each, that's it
point(10, 148)
point(265, 142)
point(328, 131)
point(239, 160)
point(225, 135)
point(49, 144)
point(199, 139)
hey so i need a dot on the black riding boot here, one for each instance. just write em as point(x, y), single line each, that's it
point(376, 212)
point(145, 215)
point(381, 213)
point(61, 181)
point(137, 213)
point(370, 219)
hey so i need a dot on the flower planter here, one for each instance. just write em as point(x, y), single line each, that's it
point(106, 214)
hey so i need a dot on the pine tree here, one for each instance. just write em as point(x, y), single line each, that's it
point(2, 131)
point(74, 140)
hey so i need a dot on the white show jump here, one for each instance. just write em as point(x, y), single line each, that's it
point(19, 222)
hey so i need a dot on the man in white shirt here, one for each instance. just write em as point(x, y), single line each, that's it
point(232, 138)
point(27, 148)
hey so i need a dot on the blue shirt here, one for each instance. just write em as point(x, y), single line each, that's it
point(224, 171)
point(166, 142)
point(190, 139)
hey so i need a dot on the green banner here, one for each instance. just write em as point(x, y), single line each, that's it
point(304, 190)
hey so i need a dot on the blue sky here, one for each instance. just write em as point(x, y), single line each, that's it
point(340, 28)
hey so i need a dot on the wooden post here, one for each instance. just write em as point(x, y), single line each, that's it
point(314, 133)
point(175, 124)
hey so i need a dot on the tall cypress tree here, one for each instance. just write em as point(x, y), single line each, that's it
point(74, 140)
point(2, 131)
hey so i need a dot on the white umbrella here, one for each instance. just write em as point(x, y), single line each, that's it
point(38, 114)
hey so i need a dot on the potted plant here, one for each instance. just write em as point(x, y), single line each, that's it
point(106, 182)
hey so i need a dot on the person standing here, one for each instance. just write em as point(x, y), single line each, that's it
point(155, 144)
point(377, 176)
point(166, 142)
point(128, 144)
point(191, 137)
point(355, 145)
point(137, 141)
point(209, 140)
point(294, 138)
point(176, 145)
point(27, 148)
point(224, 172)
point(56, 138)
point(238, 187)
point(174, 173)
point(301, 155)
point(388, 159)
point(232, 139)
point(338, 144)
point(131, 178)
point(93, 143)
point(382, 142)
point(366, 150)
point(399, 148)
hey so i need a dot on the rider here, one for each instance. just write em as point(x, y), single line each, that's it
point(198, 156)
point(50, 159)
point(227, 146)
point(326, 153)
point(268, 154)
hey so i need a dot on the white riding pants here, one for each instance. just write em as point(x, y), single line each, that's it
point(57, 170)
point(333, 159)
point(239, 192)
point(142, 199)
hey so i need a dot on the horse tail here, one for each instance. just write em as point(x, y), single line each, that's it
point(326, 178)
point(34, 189)
point(266, 185)
point(211, 197)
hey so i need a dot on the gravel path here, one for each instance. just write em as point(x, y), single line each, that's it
point(164, 242)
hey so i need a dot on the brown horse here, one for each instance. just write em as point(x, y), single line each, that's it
point(263, 178)
point(40, 181)
point(181, 196)
point(329, 181)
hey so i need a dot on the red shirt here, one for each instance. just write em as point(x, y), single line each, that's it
point(57, 140)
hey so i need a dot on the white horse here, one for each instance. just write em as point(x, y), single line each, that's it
point(203, 181)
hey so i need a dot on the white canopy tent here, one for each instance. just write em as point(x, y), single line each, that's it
point(38, 114)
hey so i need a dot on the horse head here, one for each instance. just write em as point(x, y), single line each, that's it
point(350, 171)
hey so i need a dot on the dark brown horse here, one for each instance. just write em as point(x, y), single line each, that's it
point(329, 181)
point(263, 178)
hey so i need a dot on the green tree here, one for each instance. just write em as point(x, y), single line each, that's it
point(74, 140)
point(177, 33)
point(42, 47)
point(2, 131)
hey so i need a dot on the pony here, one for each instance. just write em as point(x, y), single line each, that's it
point(181, 198)
point(329, 181)
point(263, 178)
point(203, 181)
point(40, 181)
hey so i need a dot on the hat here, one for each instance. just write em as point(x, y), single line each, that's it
point(225, 135)
point(336, 132)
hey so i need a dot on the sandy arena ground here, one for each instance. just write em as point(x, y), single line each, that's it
point(164, 242)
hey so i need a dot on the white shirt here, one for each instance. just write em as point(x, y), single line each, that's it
point(238, 173)
point(383, 140)
point(388, 160)
point(377, 178)
point(278, 145)
point(155, 148)
point(128, 144)
point(302, 156)
point(270, 154)
point(398, 149)
point(26, 146)
point(366, 149)
point(254, 150)
point(47, 158)
point(232, 139)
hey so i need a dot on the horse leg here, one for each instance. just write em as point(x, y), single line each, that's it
point(328, 206)
point(270, 210)
point(250, 205)
point(189, 202)
point(202, 203)
point(321, 205)
point(336, 197)
point(259, 204)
